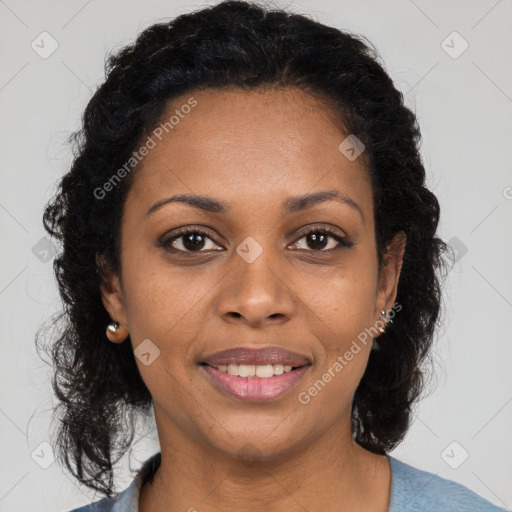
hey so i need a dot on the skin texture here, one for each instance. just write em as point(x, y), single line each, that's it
point(254, 150)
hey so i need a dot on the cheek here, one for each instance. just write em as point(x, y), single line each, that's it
point(338, 316)
point(164, 306)
point(162, 300)
point(339, 313)
point(339, 306)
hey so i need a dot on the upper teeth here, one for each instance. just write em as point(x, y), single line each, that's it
point(264, 371)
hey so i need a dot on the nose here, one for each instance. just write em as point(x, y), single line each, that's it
point(256, 293)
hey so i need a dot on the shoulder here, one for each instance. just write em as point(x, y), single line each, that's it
point(414, 490)
point(104, 505)
point(128, 500)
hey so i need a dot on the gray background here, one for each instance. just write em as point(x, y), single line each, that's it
point(464, 105)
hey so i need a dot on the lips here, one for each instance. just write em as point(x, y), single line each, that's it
point(254, 389)
point(261, 356)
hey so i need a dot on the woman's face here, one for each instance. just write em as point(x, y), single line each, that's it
point(255, 278)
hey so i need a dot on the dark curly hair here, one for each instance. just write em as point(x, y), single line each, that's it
point(240, 45)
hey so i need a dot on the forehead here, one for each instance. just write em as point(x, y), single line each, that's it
point(249, 145)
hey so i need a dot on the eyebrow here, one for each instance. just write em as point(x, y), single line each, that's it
point(289, 205)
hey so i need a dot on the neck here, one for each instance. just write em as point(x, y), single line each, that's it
point(332, 469)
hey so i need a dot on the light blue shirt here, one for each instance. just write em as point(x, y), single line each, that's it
point(412, 490)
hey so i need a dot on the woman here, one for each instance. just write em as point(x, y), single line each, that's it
point(249, 247)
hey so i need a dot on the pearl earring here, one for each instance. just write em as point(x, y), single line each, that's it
point(116, 333)
point(388, 320)
point(113, 326)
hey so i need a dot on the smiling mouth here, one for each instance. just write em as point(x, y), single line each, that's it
point(261, 371)
point(254, 383)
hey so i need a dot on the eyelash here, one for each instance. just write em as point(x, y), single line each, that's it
point(342, 241)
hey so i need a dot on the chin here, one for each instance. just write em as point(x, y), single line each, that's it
point(253, 447)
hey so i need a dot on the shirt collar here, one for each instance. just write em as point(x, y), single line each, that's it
point(128, 500)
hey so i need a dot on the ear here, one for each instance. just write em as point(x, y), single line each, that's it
point(390, 274)
point(111, 291)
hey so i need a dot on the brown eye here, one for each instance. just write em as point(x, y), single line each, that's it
point(189, 240)
point(318, 239)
